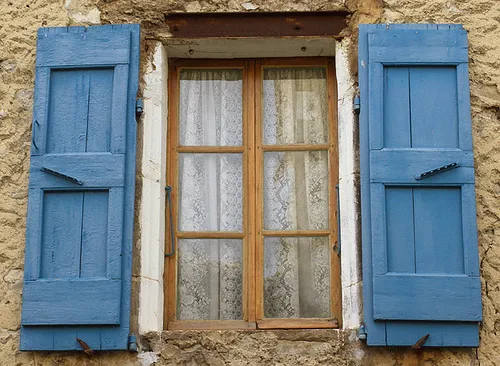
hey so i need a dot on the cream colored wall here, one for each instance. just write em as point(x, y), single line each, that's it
point(19, 20)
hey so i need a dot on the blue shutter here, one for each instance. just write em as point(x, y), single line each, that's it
point(77, 279)
point(420, 255)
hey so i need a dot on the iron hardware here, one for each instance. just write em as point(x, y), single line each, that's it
point(356, 105)
point(168, 189)
point(441, 169)
point(362, 333)
point(61, 175)
point(420, 343)
point(132, 343)
point(89, 351)
point(139, 106)
point(33, 134)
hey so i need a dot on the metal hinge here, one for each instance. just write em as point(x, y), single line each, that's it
point(362, 334)
point(132, 343)
point(356, 105)
point(139, 106)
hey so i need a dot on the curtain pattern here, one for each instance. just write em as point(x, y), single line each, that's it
point(210, 271)
point(296, 270)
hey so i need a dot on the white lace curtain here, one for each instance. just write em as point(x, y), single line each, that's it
point(210, 272)
point(296, 270)
point(296, 195)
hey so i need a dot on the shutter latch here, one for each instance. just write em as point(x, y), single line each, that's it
point(139, 106)
point(356, 105)
point(362, 334)
point(132, 343)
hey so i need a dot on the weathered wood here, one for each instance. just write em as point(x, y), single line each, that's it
point(419, 235)
point(79, 231)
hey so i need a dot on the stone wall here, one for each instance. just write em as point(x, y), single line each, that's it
point(19, 20)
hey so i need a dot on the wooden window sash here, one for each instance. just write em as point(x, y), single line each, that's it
point(253, 234)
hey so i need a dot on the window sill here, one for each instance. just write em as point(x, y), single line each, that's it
point(266, 324)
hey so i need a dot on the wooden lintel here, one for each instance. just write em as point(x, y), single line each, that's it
point(275, 24)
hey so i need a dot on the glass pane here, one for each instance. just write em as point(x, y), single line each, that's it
point(296, 190)
point(210, 192)
point(210, 279)
point(296, 277)
point(295, 108)
point(211, 107)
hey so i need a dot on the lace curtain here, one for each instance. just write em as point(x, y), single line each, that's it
point(296, 270)
point(210, 271)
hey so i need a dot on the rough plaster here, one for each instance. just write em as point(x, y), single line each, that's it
point(18, 23)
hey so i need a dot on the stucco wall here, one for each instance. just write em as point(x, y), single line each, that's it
point(19, 21)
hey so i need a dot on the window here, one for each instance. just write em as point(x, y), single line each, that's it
point(253, 167)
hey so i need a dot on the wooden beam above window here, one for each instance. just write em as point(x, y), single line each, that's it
point(276, 24)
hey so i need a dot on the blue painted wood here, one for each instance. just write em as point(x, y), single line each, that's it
point(438, 211)
point(420, 257)
point(61, 234)
point(426, 297)
point(79, 237)
point(442, 334)
point(94, 234)
point(434, 119)
point(68, 49)
point(396, 104)
point(400, 236)
point(376, 330)
point(100, 102)
point(75, 301)
point(408, 46)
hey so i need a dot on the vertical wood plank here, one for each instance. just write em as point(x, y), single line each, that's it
point(119, 110)
point(61, 234)
point(250, 214)
point(94, 234)
point(115, 234)
point(396, 107)
point(99, 110)
point(438, 230)
point(259, 195)
point(433, 95)
point(400, 231)
point(68, 107)
point(170, 275)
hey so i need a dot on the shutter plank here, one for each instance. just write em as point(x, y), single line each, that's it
point(401, 237)
point(61, 234)
point(67, 130)
point(47, 302)
point(83, 49)
point(425, 297)
point(94, 234)
point(438, 230)
point(433, 95)
point(100, 106)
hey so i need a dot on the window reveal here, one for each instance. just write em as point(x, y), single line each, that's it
point(255, 164)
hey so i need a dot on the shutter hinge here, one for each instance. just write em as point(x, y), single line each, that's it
point(139, 106)
point(362, 334)
point(132, 343)
point(356, 105)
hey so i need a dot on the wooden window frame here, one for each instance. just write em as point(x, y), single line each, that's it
point(253, 234)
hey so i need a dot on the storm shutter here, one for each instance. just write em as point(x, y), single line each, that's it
point(81, 189)
point(420, 255)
